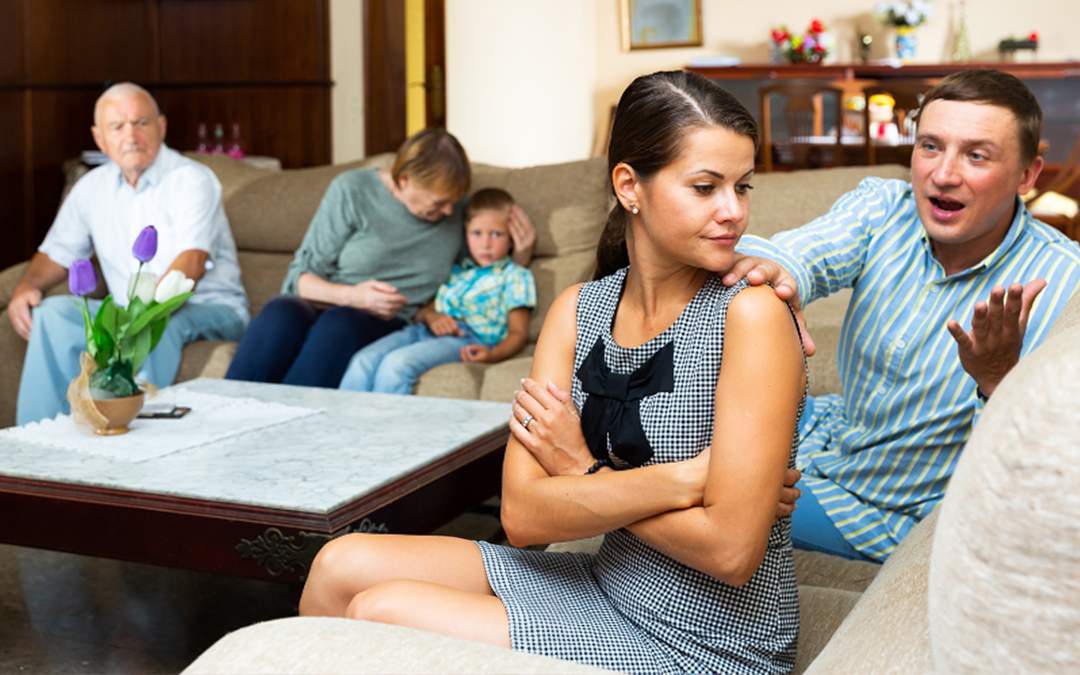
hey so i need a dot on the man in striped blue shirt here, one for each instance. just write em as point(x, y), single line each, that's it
point(954, 248)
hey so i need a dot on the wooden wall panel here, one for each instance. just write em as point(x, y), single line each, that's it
point(243, 40)
point(290, 123)
point(12, 45)
point(262, 63)
point(14, 223)
point(89, 41)
point(59, 130)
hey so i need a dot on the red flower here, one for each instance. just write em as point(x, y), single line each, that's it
point(819, 49)
point(817, 27)
point(1034, 37)
point(779, 35)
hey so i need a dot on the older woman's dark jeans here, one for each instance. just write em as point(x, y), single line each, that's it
point(294, 341)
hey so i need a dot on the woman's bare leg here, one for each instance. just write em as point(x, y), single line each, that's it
point(350, 565)
point(434, 607)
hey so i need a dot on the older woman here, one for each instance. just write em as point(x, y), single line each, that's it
point(377, 249)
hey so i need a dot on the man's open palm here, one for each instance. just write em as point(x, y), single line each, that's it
point(992, 347)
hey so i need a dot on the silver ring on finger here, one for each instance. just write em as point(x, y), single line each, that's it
point(525, 421)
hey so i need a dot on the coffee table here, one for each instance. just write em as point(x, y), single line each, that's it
point(261, 504)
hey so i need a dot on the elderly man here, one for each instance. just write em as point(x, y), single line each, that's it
point(921, 259)
point(144, 183)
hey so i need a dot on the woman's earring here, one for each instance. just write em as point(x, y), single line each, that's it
point(634, 209)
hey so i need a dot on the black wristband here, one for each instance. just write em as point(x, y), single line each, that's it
point(597, 465)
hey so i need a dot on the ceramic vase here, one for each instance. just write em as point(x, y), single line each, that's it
point(118, 412)
point(906, 43)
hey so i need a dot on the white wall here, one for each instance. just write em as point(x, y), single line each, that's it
point(347, 72)
point(520, 79)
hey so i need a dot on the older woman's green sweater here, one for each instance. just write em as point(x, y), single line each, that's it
point(363, 232)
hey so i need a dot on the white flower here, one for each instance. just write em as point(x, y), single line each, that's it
point(173, 285)
point(144, 289)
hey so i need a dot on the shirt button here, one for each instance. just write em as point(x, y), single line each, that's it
point(900, 344)
point(881, 390)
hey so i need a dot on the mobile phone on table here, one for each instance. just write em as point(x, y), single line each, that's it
point(166, 411)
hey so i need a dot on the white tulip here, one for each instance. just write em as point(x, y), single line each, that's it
point(144, 288)
point(173, 285)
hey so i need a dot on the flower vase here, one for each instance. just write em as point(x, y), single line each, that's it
point(118, 413)
point(906, 43)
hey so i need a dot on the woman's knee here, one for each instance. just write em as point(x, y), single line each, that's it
point(286, 309)
point(387, 602)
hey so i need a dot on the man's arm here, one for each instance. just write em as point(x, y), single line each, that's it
point(828, 253)
point(41, 275)
point(191, 263)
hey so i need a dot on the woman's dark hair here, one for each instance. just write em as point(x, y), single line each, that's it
point(654, 115)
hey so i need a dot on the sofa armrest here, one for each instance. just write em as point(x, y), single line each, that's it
point(9, 278)
point(322, 645)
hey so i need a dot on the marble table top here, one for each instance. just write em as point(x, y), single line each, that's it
point(314, 464)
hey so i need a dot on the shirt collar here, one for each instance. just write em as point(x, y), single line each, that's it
point(496, 266)
point(150, 177)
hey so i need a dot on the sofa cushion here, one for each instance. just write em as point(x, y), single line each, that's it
point(821, 611)
point(553, 275)
point(262, 274)
point(831, 571)
point(452, 380)
point(796, 197)
point(205, 358)
point(501, 380)
point(320, 645)
point(1005, 574)
point(886, 631)
point(567, 203)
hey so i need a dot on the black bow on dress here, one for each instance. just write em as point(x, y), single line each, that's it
point(613, 406)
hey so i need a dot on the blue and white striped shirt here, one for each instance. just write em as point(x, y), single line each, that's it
point(879, 455)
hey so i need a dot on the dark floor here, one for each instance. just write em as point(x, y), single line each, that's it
point(63, 613)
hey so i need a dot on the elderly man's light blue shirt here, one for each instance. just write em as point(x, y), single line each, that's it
point(879, 456)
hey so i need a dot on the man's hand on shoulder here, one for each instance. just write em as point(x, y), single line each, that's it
point(23, 300)
point(758, 271)
point(992, 347)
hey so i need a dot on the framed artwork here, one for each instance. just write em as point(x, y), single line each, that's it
point(652, 24)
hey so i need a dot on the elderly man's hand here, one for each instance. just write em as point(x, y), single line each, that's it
point(992, 347)
point(23, 299)
point(762, 270)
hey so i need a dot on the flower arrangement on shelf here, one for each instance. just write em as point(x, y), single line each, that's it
point(119, 339)
point(810, 47)
point(904, 13)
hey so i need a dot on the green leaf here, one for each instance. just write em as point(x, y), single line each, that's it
point(140, 348)
point(156, 311)
point(157, 329)
point(104, 331)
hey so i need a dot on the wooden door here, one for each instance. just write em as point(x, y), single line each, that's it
point(387, 51)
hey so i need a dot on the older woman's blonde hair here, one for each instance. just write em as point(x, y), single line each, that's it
point(435, 160)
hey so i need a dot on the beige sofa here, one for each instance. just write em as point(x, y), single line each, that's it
point(269, 213)
point(987, 583)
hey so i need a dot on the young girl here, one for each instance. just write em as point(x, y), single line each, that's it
point(480, 314)
point(689, 395)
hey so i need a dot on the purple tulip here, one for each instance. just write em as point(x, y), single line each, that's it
point(145, 244)
point(81, 277)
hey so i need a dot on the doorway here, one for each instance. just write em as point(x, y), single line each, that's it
point(404, 70)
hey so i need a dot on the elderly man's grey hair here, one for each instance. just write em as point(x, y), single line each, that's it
point(122, 90)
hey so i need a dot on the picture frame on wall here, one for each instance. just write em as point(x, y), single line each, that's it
point(657, 24)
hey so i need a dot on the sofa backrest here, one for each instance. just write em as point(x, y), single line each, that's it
point(269, 212)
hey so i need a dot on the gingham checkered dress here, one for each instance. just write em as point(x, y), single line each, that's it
point(629, 607)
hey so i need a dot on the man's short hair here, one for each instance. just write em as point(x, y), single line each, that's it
point(488, 199)
point(994, 87)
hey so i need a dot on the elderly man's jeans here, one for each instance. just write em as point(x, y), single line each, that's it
point(57, 337)
point(392, 364)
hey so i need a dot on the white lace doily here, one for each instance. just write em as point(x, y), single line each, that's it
point(212, 418)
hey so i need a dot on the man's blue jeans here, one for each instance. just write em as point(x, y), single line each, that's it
point(57, 337)
point(393, 364)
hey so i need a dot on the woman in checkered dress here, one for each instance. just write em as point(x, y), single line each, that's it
point(689, 394)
